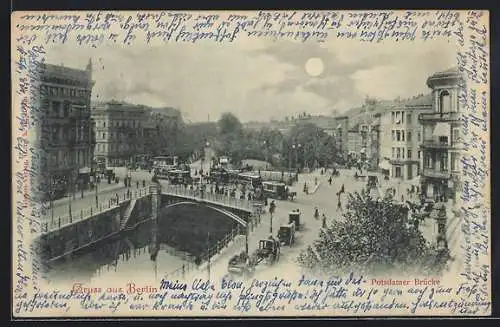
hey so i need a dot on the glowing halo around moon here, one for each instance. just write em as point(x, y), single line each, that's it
point(315, 66)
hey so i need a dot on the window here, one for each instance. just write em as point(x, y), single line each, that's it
point(409, 154)
point(455, 164)
point(444, 161)
point(67, 108)
point(403, 153)
point(55, 107)
point(444, 102)
point(104, 124)
point(402, 117)
point(427, 161)
point(403, 136)
point(455, 135)
point(394, 135)
point(408, 136)
point(393, 115)
point(398, 171)
point(419, 154)
point(398, 153)
point(408, 118)
point(443, 139)
point(393, 152)
point(103, 135)
point(397, 118)
point(398, 136)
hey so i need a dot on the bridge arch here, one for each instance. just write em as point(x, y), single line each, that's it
point(231, 215)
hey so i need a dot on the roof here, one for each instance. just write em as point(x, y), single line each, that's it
point(423, 100)
point(448, 74)
point(65, 72)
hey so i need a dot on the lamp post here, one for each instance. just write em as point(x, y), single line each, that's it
point(290, 157)
point(96, 184)
point(265, 150)
point(297, 155)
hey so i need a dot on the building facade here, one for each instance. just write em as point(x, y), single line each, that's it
point(66, 133)
point(119, 132)
point(341, 135)
point(441, 140)
point(402, 136)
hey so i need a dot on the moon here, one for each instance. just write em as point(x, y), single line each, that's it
point(314, 66)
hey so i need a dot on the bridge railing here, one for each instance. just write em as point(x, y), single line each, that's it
point(186, 268)
point(76, 215)
point(225, 200)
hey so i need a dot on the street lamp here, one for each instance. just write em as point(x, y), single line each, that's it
point(265, 151)
point(297, 155)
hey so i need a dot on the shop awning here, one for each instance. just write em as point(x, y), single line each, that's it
point(84, 170)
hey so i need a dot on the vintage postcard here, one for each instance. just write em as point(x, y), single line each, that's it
point(251, 163)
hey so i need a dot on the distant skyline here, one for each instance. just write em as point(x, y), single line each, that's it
point(259, 80)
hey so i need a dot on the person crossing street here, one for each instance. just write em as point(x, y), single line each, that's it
point(339, 203)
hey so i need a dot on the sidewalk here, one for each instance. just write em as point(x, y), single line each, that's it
point(103, 187)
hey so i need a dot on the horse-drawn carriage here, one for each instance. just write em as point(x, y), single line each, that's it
point(286, 234)
point(240, 264)
point(294, 217)
point(268, 251)
point(278, 190)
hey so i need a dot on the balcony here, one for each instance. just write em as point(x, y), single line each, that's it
point(439, 117)
point(440, 145)
point(432, 173)
point(400, 161)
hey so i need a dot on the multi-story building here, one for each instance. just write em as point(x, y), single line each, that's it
point(401, 137)
point(441, 141)
point(341, 135)
point(119, 132)
point(66, 135)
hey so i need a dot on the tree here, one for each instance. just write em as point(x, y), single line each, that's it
point(229, 124)
point(316, 146)
point(374, 237)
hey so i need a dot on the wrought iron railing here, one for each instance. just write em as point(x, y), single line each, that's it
point(440, 116)
point(110, 202)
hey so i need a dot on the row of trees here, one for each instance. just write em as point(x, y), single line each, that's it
point(305, 145)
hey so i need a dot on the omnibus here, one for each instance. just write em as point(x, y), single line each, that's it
point(178, 176)
point(164, 163)
point(219, 175)
point(161, 173)
point(254, 180)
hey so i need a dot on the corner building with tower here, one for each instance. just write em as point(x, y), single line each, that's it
point(442, 143)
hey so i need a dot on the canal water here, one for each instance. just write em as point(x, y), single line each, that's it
point(117, 258)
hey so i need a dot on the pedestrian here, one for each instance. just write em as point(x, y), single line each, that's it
point(330, 180)
point(316, 213)
point(342, 189)
point(339, 204)
point(324, 221)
